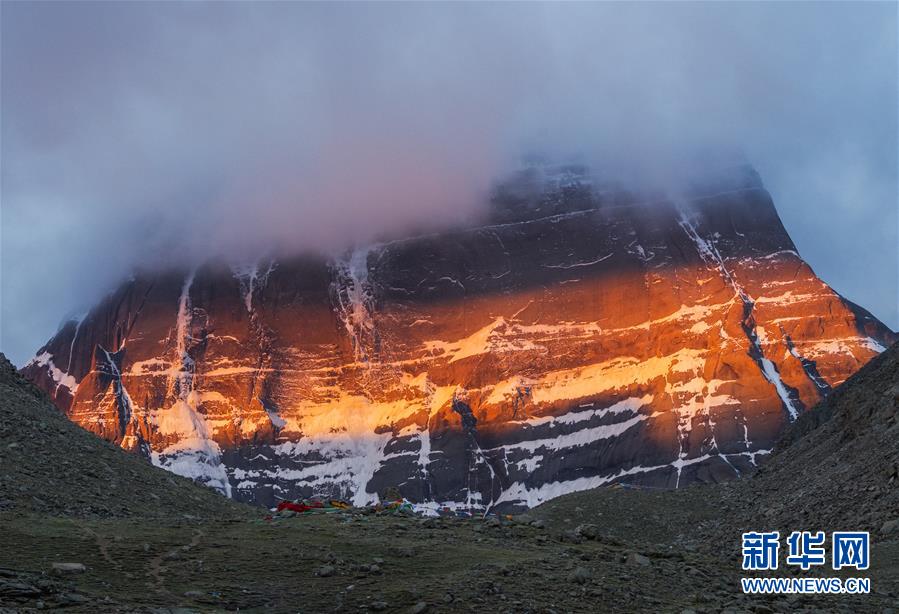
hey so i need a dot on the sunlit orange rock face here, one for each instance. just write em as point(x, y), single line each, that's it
point(579, 337)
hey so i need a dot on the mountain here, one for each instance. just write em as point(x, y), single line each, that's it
point(582, 335)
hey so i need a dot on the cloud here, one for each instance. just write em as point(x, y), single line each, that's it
point(165, 133)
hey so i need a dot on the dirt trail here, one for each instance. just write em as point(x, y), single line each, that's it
point(102, 544)
point(157, 567)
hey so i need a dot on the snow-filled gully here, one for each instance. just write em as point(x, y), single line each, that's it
point(353, 296)
point(195, 454)
point(126, 407)
point(710, 255)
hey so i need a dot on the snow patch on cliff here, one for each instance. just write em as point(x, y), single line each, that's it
point(523, 494)
point(585, 382)
point(345, 446)
point(788, 298)
point(578, 438)
point(60, 377)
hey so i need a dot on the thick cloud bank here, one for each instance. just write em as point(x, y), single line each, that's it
point(159, 133)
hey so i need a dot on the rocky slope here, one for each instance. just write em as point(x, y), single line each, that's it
point(582, 335)
point(50, 466)
point(838, 465)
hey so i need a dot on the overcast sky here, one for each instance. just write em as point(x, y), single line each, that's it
point(137, 133)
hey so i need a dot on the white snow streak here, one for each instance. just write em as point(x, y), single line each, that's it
point(79, 320)
point(353, 297)
point(194, 454)
point(251, 279)
point(577, 264)
point(531, 497)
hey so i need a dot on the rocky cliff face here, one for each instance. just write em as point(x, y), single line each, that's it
point(581, 336)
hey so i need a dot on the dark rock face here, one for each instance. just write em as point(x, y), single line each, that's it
point(577, 338)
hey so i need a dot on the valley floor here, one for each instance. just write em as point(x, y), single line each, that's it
point(636, 551)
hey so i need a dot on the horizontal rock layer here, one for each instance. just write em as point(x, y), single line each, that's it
point(577, 338)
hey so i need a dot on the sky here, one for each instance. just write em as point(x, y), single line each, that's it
point(162, 134)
